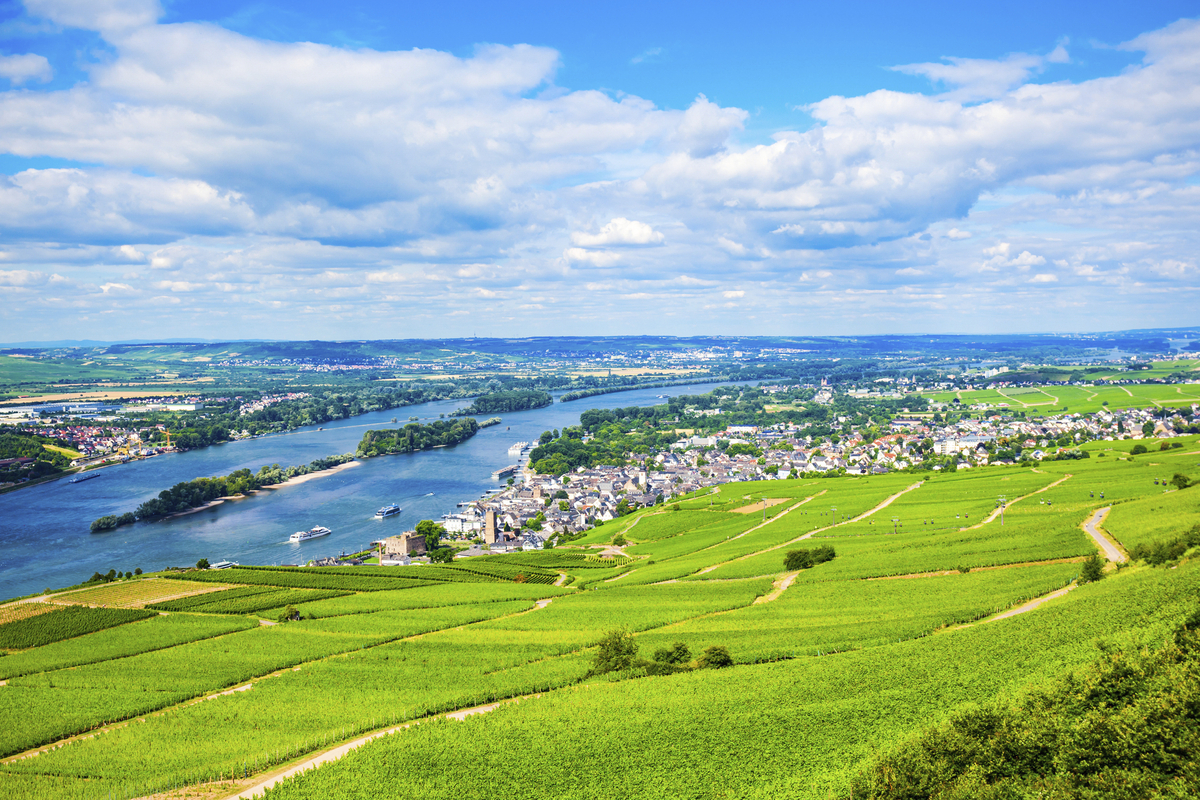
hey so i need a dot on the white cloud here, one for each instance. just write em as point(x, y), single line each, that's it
point(649, 54)
point(108, 16)
point(980, 78)
point(597, 258)
point(25, 67)
point(731, 247)
point(619, 231)
point(311, 176)
point(734, 293)
point(1044, 277)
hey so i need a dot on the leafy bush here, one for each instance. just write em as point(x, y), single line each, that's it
point(715, 657)
point(1092, 570)
point(807, 559)
point(1159, 553)
point(1125, 727)
point(677, 653)
point(616, 653)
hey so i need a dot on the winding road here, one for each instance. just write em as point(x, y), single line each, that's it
point(1092, 526)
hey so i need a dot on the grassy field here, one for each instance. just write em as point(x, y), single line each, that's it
point(1078, 399)
point(134, 593)
point(831, 663)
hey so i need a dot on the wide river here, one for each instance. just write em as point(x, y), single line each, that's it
point(45, 541)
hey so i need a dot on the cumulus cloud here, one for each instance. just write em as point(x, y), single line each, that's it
point(978, 78)
point(106, 16)
point(619, 231)
point(25, 67)
point(596, 258)
point(272, 180)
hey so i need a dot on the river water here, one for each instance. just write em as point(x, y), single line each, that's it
point(45, 540)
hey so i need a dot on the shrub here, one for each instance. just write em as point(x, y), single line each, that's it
point(677, 653)
point(202, 564)
point(616, 653)
point(1092, 570)
point(806, 559)
point(105, 523)
point(289, 614)
point(716, 657)
point(1137, 450)
point(619, 541)
point(441, 555)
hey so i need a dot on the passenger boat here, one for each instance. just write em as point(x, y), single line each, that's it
point(313, 533)
point(389, 511)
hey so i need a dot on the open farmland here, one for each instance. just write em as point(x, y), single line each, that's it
point(1078, 399)
point(830, 662)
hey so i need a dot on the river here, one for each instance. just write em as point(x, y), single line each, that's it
point(45, 540)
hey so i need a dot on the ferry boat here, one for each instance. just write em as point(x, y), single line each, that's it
point(85, 476)
point(313, 533)
point(505, 472)
point(389, 511)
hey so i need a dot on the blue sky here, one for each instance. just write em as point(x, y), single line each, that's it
point(360, 170)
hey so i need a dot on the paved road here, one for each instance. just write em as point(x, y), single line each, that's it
point(1108, 548)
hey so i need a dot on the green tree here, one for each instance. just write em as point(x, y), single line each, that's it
point(677, 653)
point(716, 657)
point(1092, 569)
point(289, 614)
point(1180, 481)
point(105, 523)
point(202, 564)
point(616, 652)
point(798, 559)
point(432, 532)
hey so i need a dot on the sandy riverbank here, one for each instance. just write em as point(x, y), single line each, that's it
point(291, 482)
point(314, 475)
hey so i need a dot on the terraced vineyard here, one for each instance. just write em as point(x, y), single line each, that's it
point(830, 665)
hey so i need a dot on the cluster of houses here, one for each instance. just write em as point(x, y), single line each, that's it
point(539, 508)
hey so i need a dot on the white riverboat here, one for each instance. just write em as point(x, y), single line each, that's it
point(313, 533)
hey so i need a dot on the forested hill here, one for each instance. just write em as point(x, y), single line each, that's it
point(16, 444)
point(503, 402)
point(415, 436)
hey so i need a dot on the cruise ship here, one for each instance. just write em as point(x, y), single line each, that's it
point(389, 511)
point(318, 530)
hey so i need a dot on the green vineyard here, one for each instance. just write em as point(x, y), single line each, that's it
point(931, 610)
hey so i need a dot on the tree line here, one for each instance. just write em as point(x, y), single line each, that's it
point(198, 491)
point(415, 436)
point(506, 401)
